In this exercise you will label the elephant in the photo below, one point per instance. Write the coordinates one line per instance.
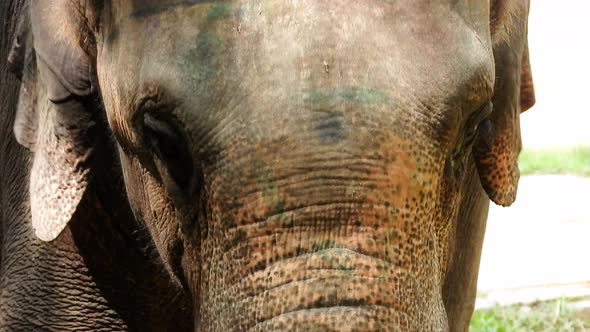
(100, 273)
(298, 165)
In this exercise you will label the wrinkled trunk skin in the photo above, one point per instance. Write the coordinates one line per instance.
(326, 249)
(319, 261)
(97, 276)
(305, 254)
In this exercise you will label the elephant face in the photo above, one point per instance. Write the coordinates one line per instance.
(299, 164)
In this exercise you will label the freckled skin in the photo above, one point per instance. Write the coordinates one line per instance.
(334, 188)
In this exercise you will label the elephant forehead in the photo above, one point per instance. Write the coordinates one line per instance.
(265, 62)
(139, 8)
(200, 49)
(413, 27)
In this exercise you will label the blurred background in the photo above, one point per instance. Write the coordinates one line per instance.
(535, 267)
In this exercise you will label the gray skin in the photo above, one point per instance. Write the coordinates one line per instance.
(299, 165)
(99, 274)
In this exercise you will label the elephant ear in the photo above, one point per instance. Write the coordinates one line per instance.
(55, 115)
(21, 61)
(21, 45)
(498, 141)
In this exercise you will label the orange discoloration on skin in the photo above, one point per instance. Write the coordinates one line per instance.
(499, 170)
(286, 233)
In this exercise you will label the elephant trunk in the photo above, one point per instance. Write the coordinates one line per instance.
(332, 245)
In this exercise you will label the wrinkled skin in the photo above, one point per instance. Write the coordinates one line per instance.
(95, 276)
(300, 165)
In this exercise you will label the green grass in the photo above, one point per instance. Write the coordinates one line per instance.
(575, 161)
(555, 316)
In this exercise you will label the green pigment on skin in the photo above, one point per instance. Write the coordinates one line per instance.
(271, 194)
(362, 96)
(200, 62)
(286, 221)
(356, 96)
(218, 11)
(278, 205)
(323, 245)
(335, 257)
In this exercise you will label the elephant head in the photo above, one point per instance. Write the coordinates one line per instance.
(298, 164)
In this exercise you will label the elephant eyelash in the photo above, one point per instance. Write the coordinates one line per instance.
(470, 129)
(162, 134)
(475, 120)
(153, 105)
(168, 144)
(153, 98)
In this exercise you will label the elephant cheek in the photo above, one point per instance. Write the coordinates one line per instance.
(155, 212)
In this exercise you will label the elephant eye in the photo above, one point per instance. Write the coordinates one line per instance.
(168, 144)
(474, 121)
(466, 141)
